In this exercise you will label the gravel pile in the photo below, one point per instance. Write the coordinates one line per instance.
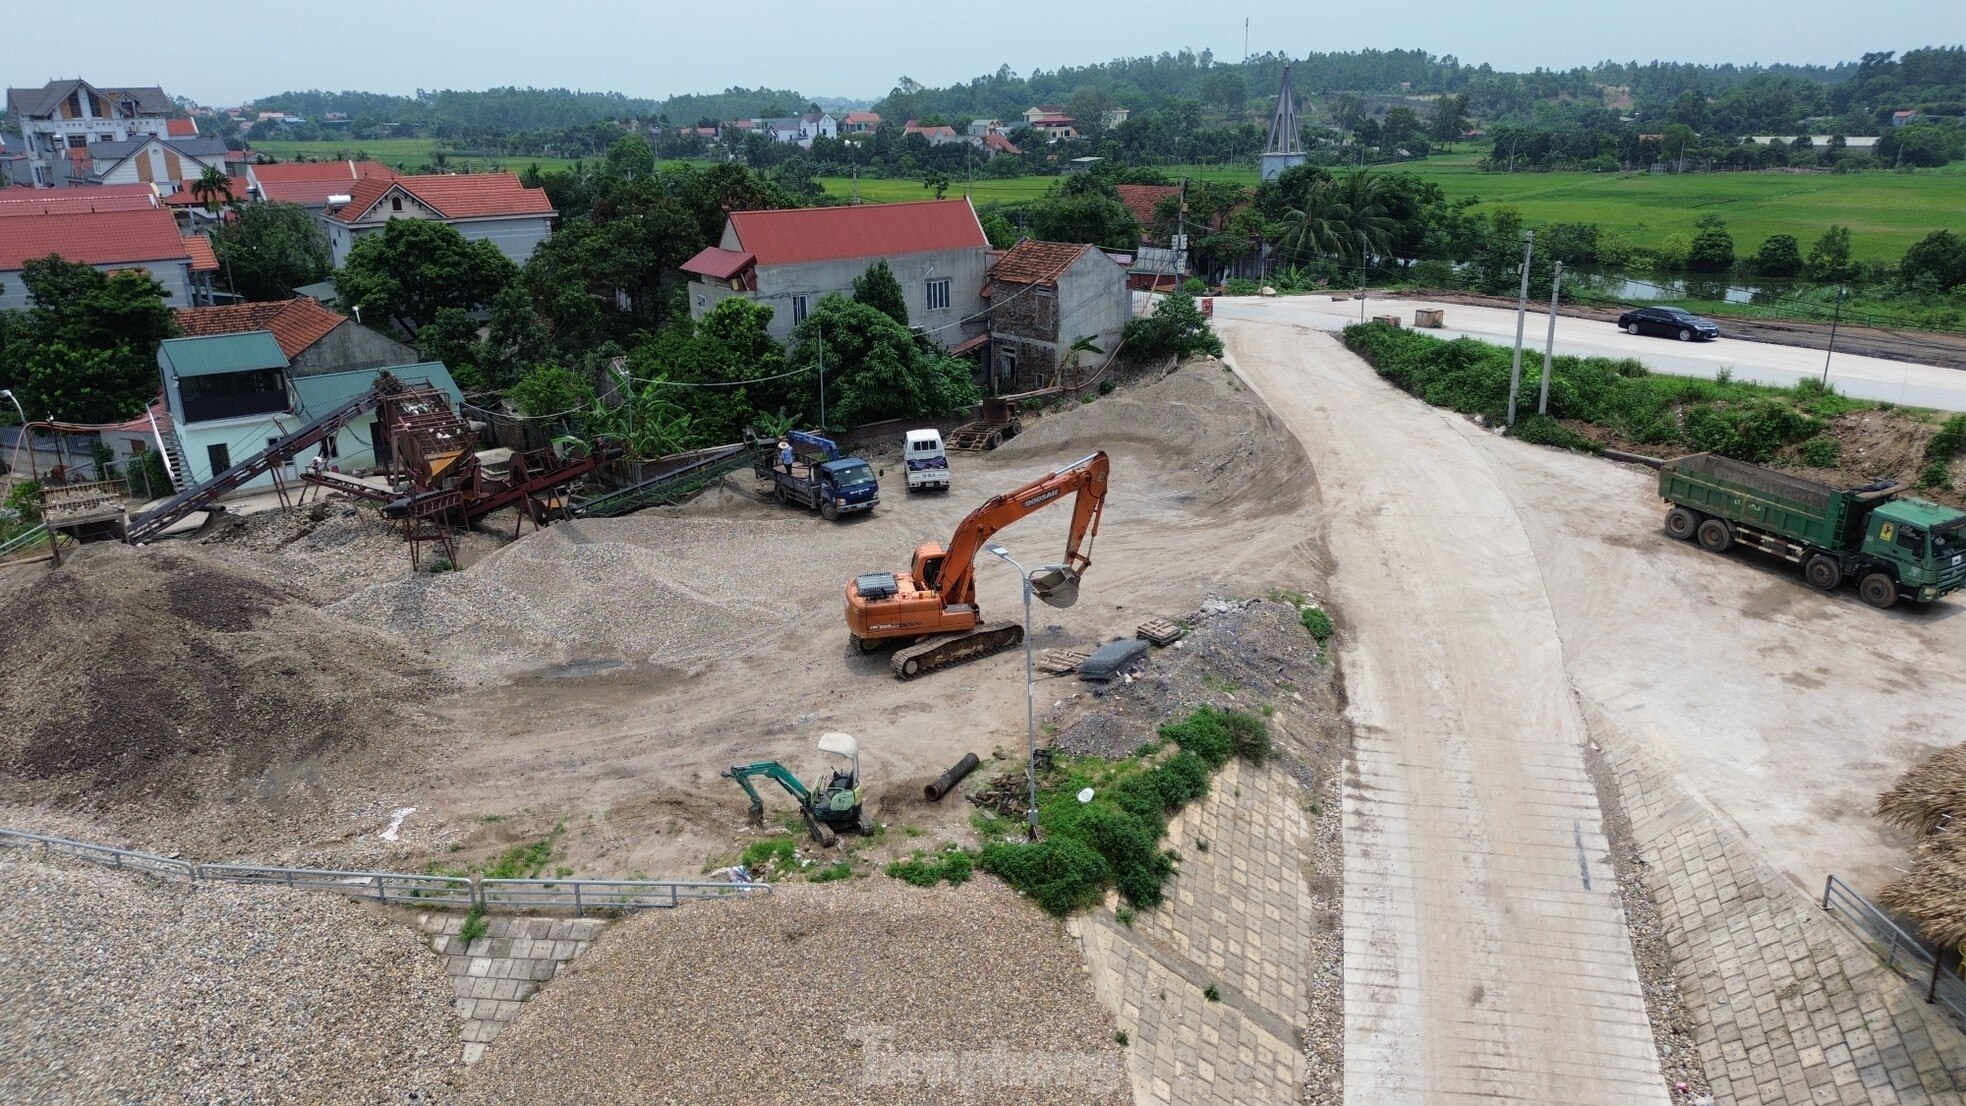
(122, 988)
(195, 703)
(869, 992)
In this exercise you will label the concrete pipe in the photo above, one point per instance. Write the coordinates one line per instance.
(947, 781)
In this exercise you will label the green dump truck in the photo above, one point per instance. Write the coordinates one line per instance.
(1894, 547)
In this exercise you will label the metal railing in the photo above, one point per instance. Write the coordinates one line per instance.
(404, 888)
(1902, 953)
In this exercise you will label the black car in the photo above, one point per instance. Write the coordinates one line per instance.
(1668, 322)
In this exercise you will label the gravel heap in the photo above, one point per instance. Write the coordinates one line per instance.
(195, 702)
(835, 993)
(124, 988)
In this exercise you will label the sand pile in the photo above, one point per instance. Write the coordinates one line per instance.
(158, 687)
(867, 992)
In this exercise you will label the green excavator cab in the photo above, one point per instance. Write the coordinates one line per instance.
(834, 802)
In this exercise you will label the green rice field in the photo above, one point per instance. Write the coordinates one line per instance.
(399, 153)
(1885, 211)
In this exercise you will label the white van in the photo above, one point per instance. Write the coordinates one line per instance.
(928, 465)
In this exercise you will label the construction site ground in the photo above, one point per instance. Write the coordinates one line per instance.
(571, 697)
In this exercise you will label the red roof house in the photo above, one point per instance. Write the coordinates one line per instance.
(111, 241)
(315, 339)
(788, 260)
(492, 207)
(310, 183)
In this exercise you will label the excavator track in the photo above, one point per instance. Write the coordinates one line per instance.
(944, 650)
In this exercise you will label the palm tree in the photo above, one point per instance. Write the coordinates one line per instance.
(1313, 231)
(212, 188)
(1359, 209)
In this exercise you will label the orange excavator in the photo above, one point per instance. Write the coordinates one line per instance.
(934, 605)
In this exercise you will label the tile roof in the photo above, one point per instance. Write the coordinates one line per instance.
(718, 264)
(863, 117)
(312, 182)
(1033, 262)
(928, 132)
(203, 260)
(180, 128)
(453, 196)
(1141, 199)
(866, 230)
(93, 238)
(296, 324)
(44, 100)
(996, 141)
(70, 201)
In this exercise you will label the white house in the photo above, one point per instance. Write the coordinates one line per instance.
(158, 160)
(492, 207)
(62, 119)
(817, 124)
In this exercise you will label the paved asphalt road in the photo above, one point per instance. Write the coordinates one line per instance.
(1864, 377)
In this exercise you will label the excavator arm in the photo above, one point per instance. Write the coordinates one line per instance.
(1086, 479)
(770, 769)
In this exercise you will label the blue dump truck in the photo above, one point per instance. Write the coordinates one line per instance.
(817, 476)
(1893, 546)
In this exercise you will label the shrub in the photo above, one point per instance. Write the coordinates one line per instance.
(1131, 849)
(1820, 452)
(1214, 736)
(953, 865)
(1176, 327)
(1317, 623)
(1195, 286)
(1935, 474)
(475, 926)
(1060, 874)
(1544, 430)
(838, 871)
(25, 499)
(1237, 286)
(773, 850)
(1436, 274)
(1947, 443)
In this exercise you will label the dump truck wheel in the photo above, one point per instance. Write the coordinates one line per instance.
(1822, 572)
(1680, 523)
(1715, 536)
(1879, 590)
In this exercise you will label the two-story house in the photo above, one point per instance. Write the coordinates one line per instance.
(62, 119)
(311, 183)
(1044, 298)
(230, 396)
(491, 207)
(315, 339)
(817, 124)
(789, 259)
(860, 122)
(146, 238)
(156, 159)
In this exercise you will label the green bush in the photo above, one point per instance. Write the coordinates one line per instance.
(772, 850)
(1821, 452)
(475, 926)
(1131, 848)
(1214, 736)
(1237, 286)
(25, 499)
(1544, 430)
(1195, 286)
(1949, 441)
(952, 865)
(1935, 474)
(1176, 327)
(1317, 623)
(841, 870)
(1060, 874)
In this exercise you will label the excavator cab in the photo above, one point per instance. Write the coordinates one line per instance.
(836, 794)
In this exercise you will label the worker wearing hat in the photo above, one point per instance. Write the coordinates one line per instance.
(785, 455)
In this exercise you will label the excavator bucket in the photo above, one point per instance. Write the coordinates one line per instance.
(1056, 585)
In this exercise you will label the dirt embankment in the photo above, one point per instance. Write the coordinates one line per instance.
(194, 701)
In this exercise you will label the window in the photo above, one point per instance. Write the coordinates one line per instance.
(799, 309)
(219, 456)
(1006, 364)
(395, 203)
(1911, 540)
(938, 295)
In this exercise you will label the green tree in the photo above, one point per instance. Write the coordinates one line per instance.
(878, 289)
(213, 188)
(452, 338)
(1450, 119)
(875, 369)
(267, 250)
(631, 158)
(87, 349)
(1085, 210)
(1829, 259)
(1780, 255)
(1712, 250)
(1939, 258)
(413, 268)
(1175, 328)
(552, 392)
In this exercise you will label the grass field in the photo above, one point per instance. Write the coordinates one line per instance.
(1885, 212)
(400, 153)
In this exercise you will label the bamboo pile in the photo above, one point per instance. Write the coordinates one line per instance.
(1928, 796)
(1929, 801)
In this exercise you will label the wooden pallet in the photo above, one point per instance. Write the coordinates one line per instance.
(1059, 662)
(1159, 631)
(976, 437)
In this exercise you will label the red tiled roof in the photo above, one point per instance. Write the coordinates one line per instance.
(453, 196)
(185, 197)
(92, 238)
(1141, 199)
(203, 260)
(718, 264)
(141, 424)
(180, 128)
(1033, 262)
(862, 117)
(71, 201)
(995, 141)
(296, 324)
(312, 182)
(928, 132)
(867, 230)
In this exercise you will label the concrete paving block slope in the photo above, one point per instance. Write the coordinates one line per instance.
(1486, 953)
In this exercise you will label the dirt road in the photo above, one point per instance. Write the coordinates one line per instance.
(1865, 377)
(1485, 946)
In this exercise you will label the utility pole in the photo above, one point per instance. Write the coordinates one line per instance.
(1521, 317)
(820, 336)
(1834, 320)
(1361, 276)
(1549, 347)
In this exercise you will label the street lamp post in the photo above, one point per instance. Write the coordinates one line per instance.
(1030, 700)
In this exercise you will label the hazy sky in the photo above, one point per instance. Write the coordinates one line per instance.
(223, 54)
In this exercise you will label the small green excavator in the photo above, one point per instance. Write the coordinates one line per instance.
(832, 803)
